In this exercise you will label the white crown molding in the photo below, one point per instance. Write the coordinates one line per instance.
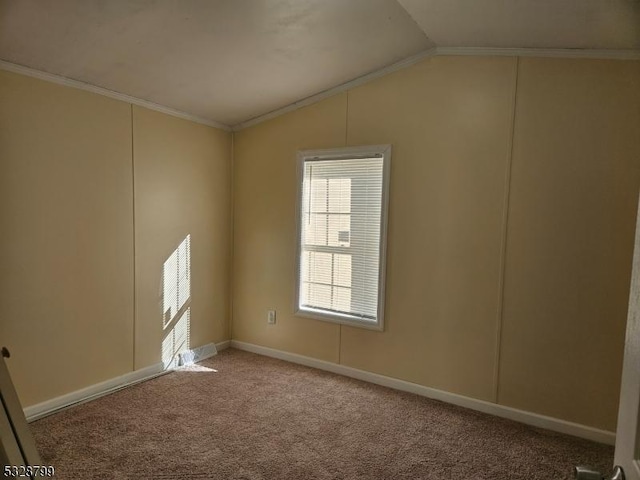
(407, 62)
(68, 82)
(443, 51)
(528, 418)
(540, 52)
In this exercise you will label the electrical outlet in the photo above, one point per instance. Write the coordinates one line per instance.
(271, 317)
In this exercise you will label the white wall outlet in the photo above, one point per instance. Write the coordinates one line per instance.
(271, 317)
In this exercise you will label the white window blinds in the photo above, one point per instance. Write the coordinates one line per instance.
(341, 236)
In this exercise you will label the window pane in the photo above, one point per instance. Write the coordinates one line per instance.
(315, 230)
(339, 230)
(319, 295)
(318, 200)
(320, 267)
(304, 266)
(341, 299)
(342, 270)
(340, 234)
(340, 195)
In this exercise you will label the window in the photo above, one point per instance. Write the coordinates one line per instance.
(342, 207)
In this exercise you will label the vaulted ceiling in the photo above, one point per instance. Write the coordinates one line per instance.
(229, 61)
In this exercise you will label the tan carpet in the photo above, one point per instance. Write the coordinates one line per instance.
(260, 418)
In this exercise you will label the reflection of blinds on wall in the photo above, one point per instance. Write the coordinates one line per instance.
(176, 281)
(176, 296)
(176, 339)
(340, 220)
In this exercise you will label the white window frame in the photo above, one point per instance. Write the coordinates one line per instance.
(383, 151)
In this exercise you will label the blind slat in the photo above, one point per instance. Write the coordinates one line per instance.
(340, 223)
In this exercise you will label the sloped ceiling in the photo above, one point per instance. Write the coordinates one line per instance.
(587, 24)
(233, 60)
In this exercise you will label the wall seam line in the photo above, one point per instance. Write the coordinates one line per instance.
(505, 230)
(346, 121)
(346, 143)
(232, 221)
(133, 195)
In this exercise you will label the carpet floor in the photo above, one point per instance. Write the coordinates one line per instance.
(245, 416)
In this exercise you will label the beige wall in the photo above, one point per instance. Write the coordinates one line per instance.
(67, 215)
(182, 187)
(513, 190)
(574, 194)
(264, 228)
(572, 181)
(449, 121)
(66, 196)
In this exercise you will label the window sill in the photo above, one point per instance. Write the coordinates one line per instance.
(341, 319)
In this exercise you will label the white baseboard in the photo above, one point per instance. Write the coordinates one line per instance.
(529, 418)
(92, 392)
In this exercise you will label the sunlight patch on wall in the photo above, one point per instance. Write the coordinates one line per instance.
(176, 340)
(176, 300)
(176, 281)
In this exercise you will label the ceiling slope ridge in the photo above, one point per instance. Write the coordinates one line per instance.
(630, 54)
(69, 82)
(404, 63)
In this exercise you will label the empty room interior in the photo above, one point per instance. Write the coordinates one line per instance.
(332, 239)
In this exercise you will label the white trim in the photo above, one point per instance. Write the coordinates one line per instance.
(92, 392)
(347, 153)
(407, 62)
(630, 54)
(68, 82)
(101, 389)
(529, 418)
(540, 52)
(442, 51)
